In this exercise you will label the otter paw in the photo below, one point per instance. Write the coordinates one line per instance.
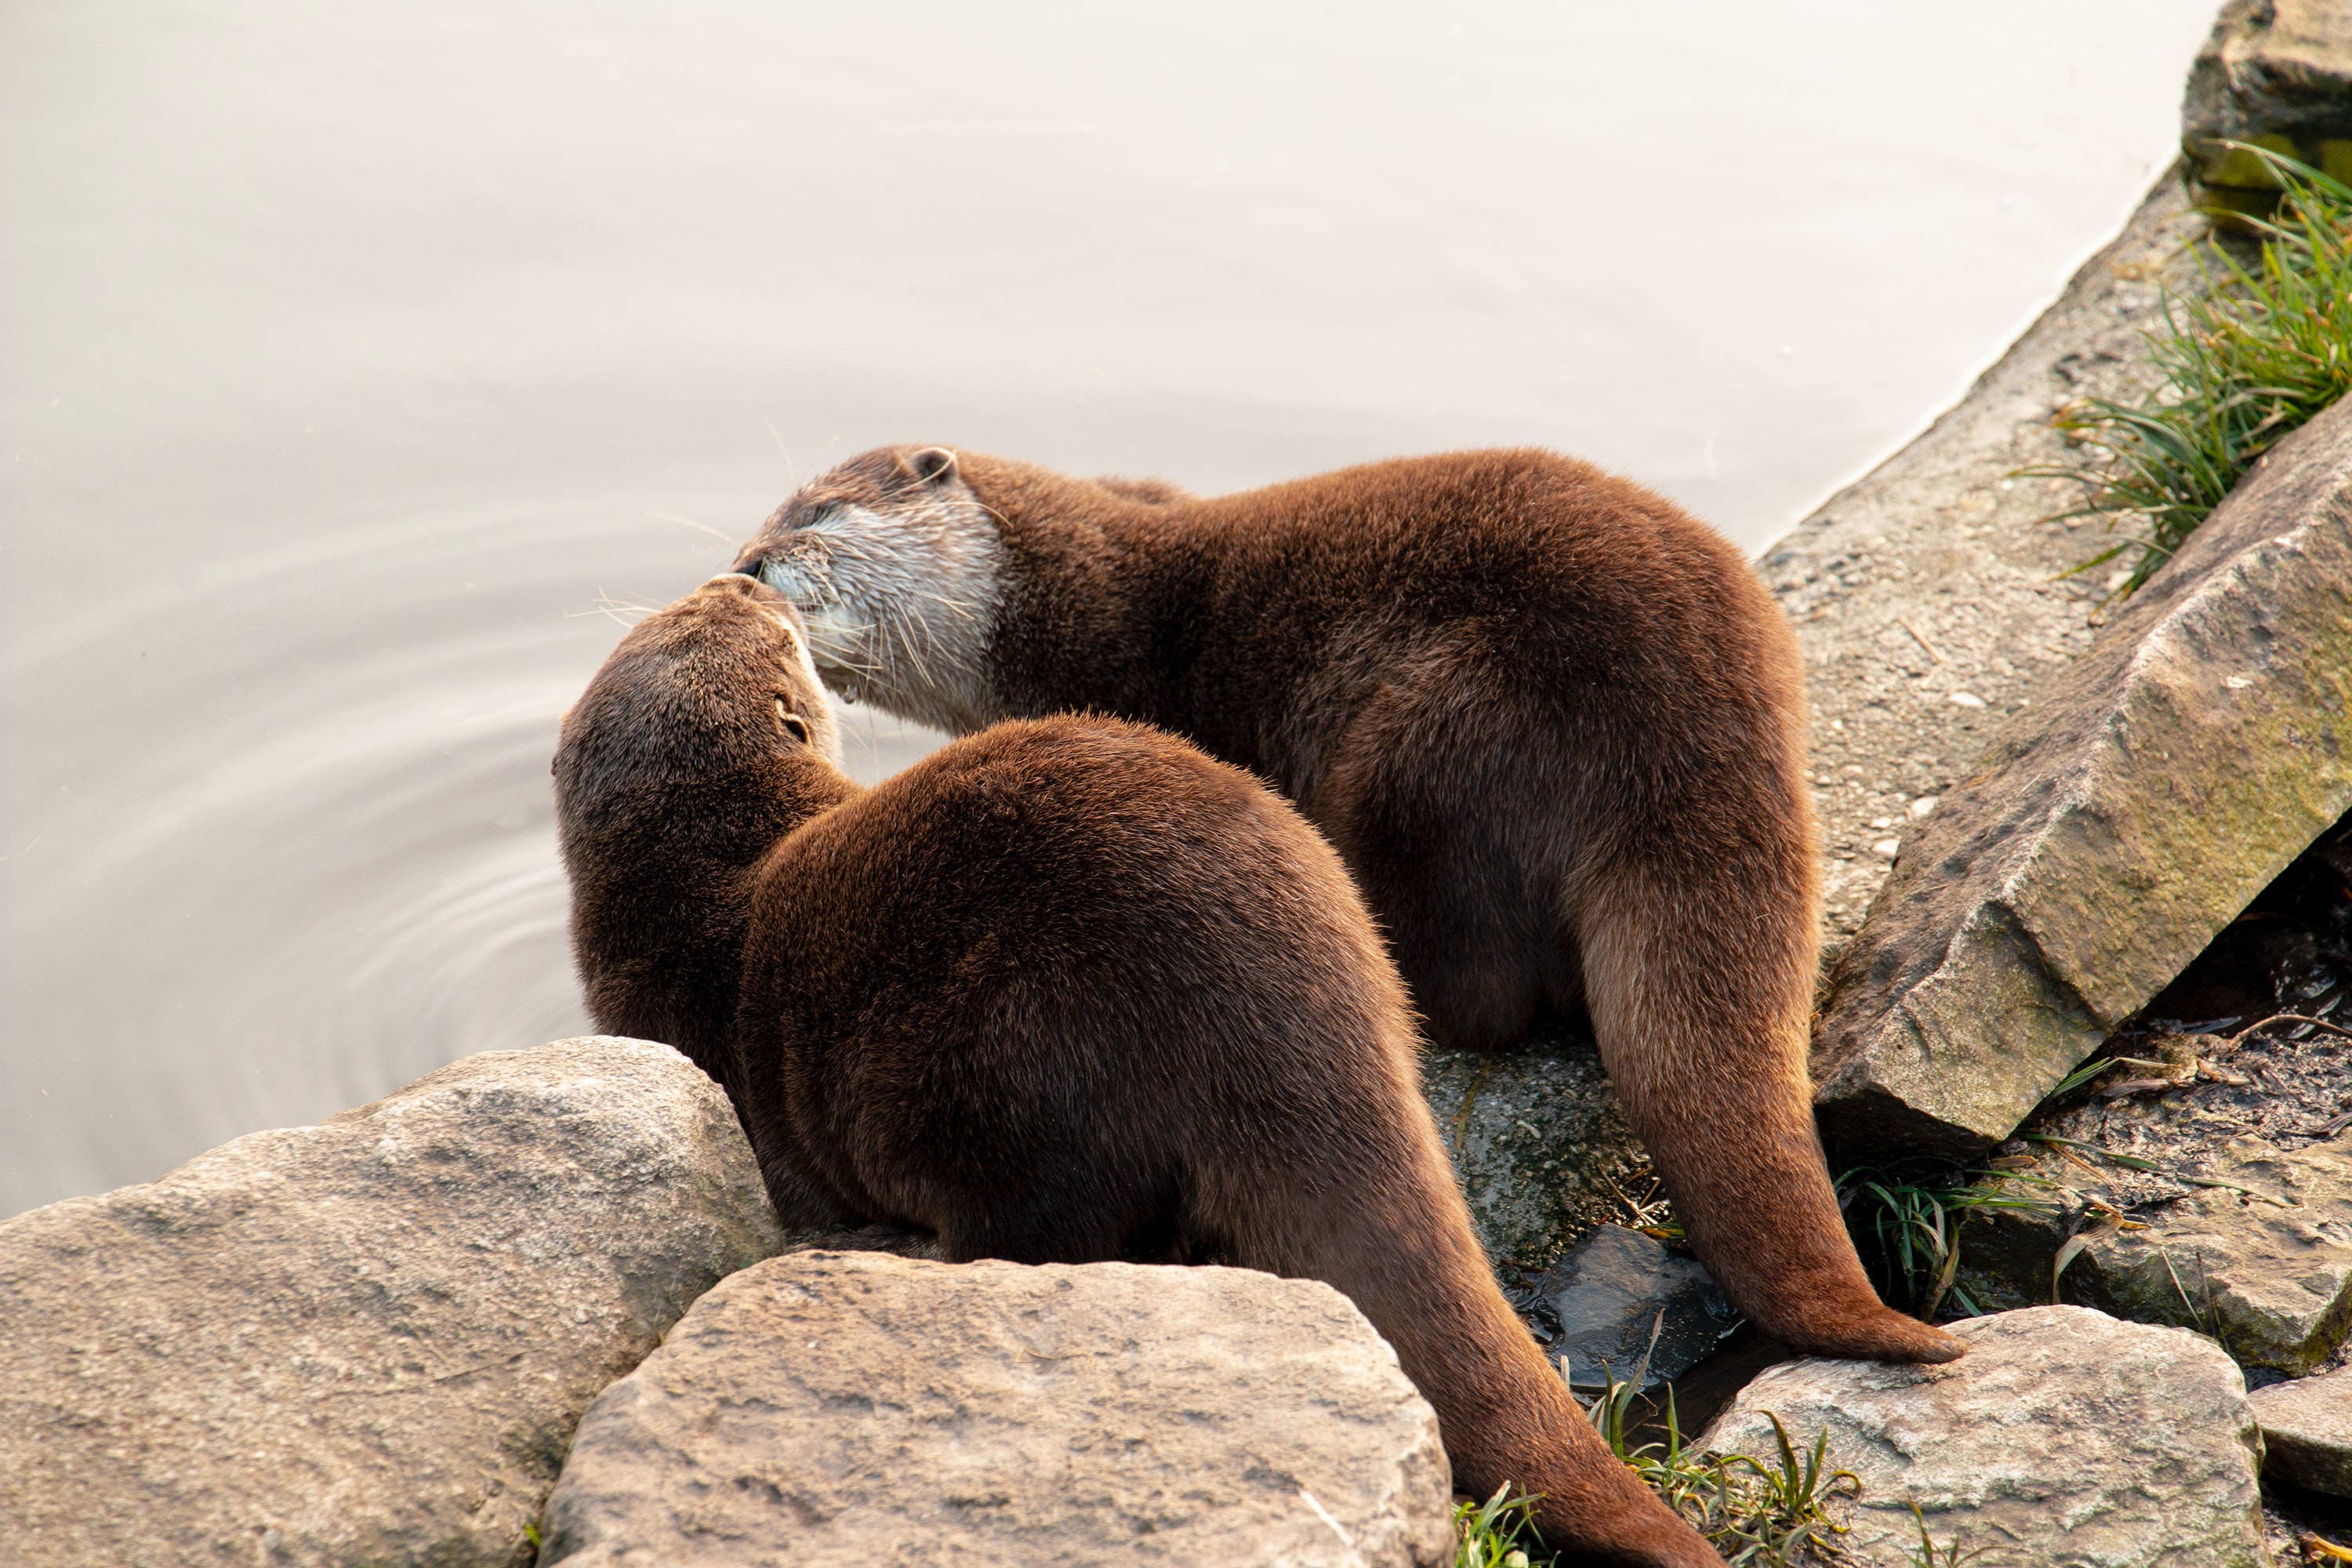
(1883, 1335)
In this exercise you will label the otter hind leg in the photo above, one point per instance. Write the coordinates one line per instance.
(1700, 1006)
(1453, 893)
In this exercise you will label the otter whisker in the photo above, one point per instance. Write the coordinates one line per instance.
(725, 539)
(791, 470)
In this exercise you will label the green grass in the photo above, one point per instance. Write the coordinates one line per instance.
(1756, 1515)
(1927, 1554)
(1496, 1533)
(1905, 1223)
(2260, 353)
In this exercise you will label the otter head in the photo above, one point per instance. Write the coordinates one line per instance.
(720, 680)
(893, 562)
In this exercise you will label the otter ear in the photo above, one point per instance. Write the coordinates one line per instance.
(931, 465)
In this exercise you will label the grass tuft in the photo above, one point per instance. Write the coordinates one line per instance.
(1756, 1515)
(2261, 352)
(1927, 1554)
(1905, 1223)
(1495, 1533)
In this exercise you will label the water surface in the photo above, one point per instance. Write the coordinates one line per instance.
(363, 364)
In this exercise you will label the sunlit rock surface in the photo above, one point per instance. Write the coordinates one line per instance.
(2257, 1252)
(2063, 1437)
(2113, 828)
(833, 1408)
(367, 1341)
(1930, 596)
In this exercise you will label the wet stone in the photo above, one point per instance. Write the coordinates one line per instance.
(1619, 1303)
(1542, 1150)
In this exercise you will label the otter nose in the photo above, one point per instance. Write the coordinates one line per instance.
(749, 562)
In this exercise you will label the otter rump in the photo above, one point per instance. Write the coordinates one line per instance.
(1067, 991)
(1554, 727)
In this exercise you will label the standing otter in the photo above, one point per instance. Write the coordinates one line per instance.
(1554, 726)
(1064, 991)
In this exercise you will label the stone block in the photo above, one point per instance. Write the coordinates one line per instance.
(2145, 795)
(2063, 1437)
(365, 1341)
(828, 1408)
(2273, 73)
(2258, 1254)
(2308, 1431)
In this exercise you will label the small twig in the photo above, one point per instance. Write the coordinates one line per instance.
(2234, 1188)
(2291, 1018)
(1944, 1278)
(1921, 638)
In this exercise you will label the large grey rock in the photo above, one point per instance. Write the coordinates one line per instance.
(2308, 1431)
(2063, 1437)
(365, 1341)
(2276, 73)
(2256, 1251)
(1624, 1307)
(1538, 1142)
(842, 1408)
(1928, 596)
(2112, 827)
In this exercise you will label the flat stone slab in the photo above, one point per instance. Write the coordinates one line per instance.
(2256, 1250)
(2113, 828)
(1622, 1305)
(2063, 1437)
(828, 1408)
(366, 1341)
(1538, 1142)
(2308, 1431)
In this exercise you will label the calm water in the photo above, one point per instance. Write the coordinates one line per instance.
(361, 365)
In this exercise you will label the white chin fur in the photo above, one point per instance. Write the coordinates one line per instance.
(901, 606)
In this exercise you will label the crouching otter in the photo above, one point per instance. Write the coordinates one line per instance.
(1554, 726)
(1066, 991)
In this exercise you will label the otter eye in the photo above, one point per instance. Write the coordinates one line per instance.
(794, 725)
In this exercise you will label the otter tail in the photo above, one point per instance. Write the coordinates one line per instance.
(1699, 1001)
(1399, 1244)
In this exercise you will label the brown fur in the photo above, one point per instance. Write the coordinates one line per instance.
(1066, 991)
(1554, 726)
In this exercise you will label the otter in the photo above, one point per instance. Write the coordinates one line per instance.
(1554, 726)
(1067, 991)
